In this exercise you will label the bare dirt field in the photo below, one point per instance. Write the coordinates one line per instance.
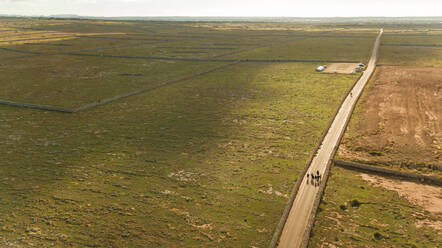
(345, 68)
(426, 196)
(399, 118)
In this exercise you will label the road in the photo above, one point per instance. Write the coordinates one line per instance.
(296, 224)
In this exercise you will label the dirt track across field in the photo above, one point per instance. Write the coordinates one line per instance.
(401, 117)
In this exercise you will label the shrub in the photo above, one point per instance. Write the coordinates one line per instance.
(376, 153)
(355, 203)
(377, 235)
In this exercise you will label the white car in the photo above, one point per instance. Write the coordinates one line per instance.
(321, 68)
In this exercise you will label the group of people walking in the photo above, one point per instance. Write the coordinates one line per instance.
(314, 179)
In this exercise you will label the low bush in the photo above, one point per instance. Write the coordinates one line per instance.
(355, 203)
(377, 235)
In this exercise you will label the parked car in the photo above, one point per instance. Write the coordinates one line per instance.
(321, 68)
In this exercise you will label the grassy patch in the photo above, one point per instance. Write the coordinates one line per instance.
(320, 48)
(72, 81)
(206, 162)
(383, 219)
(416, 56)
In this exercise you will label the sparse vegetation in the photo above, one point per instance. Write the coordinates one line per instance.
(415, 49)
(387, 215)
(377, 235)
(207, 162)
(210, 160)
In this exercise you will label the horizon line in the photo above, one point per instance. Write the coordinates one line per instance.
(220, 16)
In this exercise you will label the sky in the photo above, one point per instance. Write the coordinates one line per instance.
(274, 8)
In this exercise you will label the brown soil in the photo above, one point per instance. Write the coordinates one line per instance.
(426, 196)
(400, 118)
(345, 68)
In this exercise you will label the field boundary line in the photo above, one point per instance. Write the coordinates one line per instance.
(214, 59)
(196, 48)
(36, 106)
(397, 65)
(20, 57)
(412, 45)
(409, 165)
(33, 54)
(165, 83)
(387, 172)
(240, 51)
(105, 48)
(112, 99)
(19, 51)
(121, 38)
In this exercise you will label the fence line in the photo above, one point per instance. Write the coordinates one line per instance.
(35, 106)
(215, 59)
(412, 45)
(387, 172)
(115, 98)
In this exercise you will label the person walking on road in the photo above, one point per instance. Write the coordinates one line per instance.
(318, 176)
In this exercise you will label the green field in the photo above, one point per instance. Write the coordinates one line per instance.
(7, 54)
(411, 56)
(81, 43)
(317, 48)
(204, 162)
(208, 161)
(411, 49)
(72, 81)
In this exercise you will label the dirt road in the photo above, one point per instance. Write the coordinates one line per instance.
(295, 226)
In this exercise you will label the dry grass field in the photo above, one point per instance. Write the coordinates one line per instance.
(399, 119)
